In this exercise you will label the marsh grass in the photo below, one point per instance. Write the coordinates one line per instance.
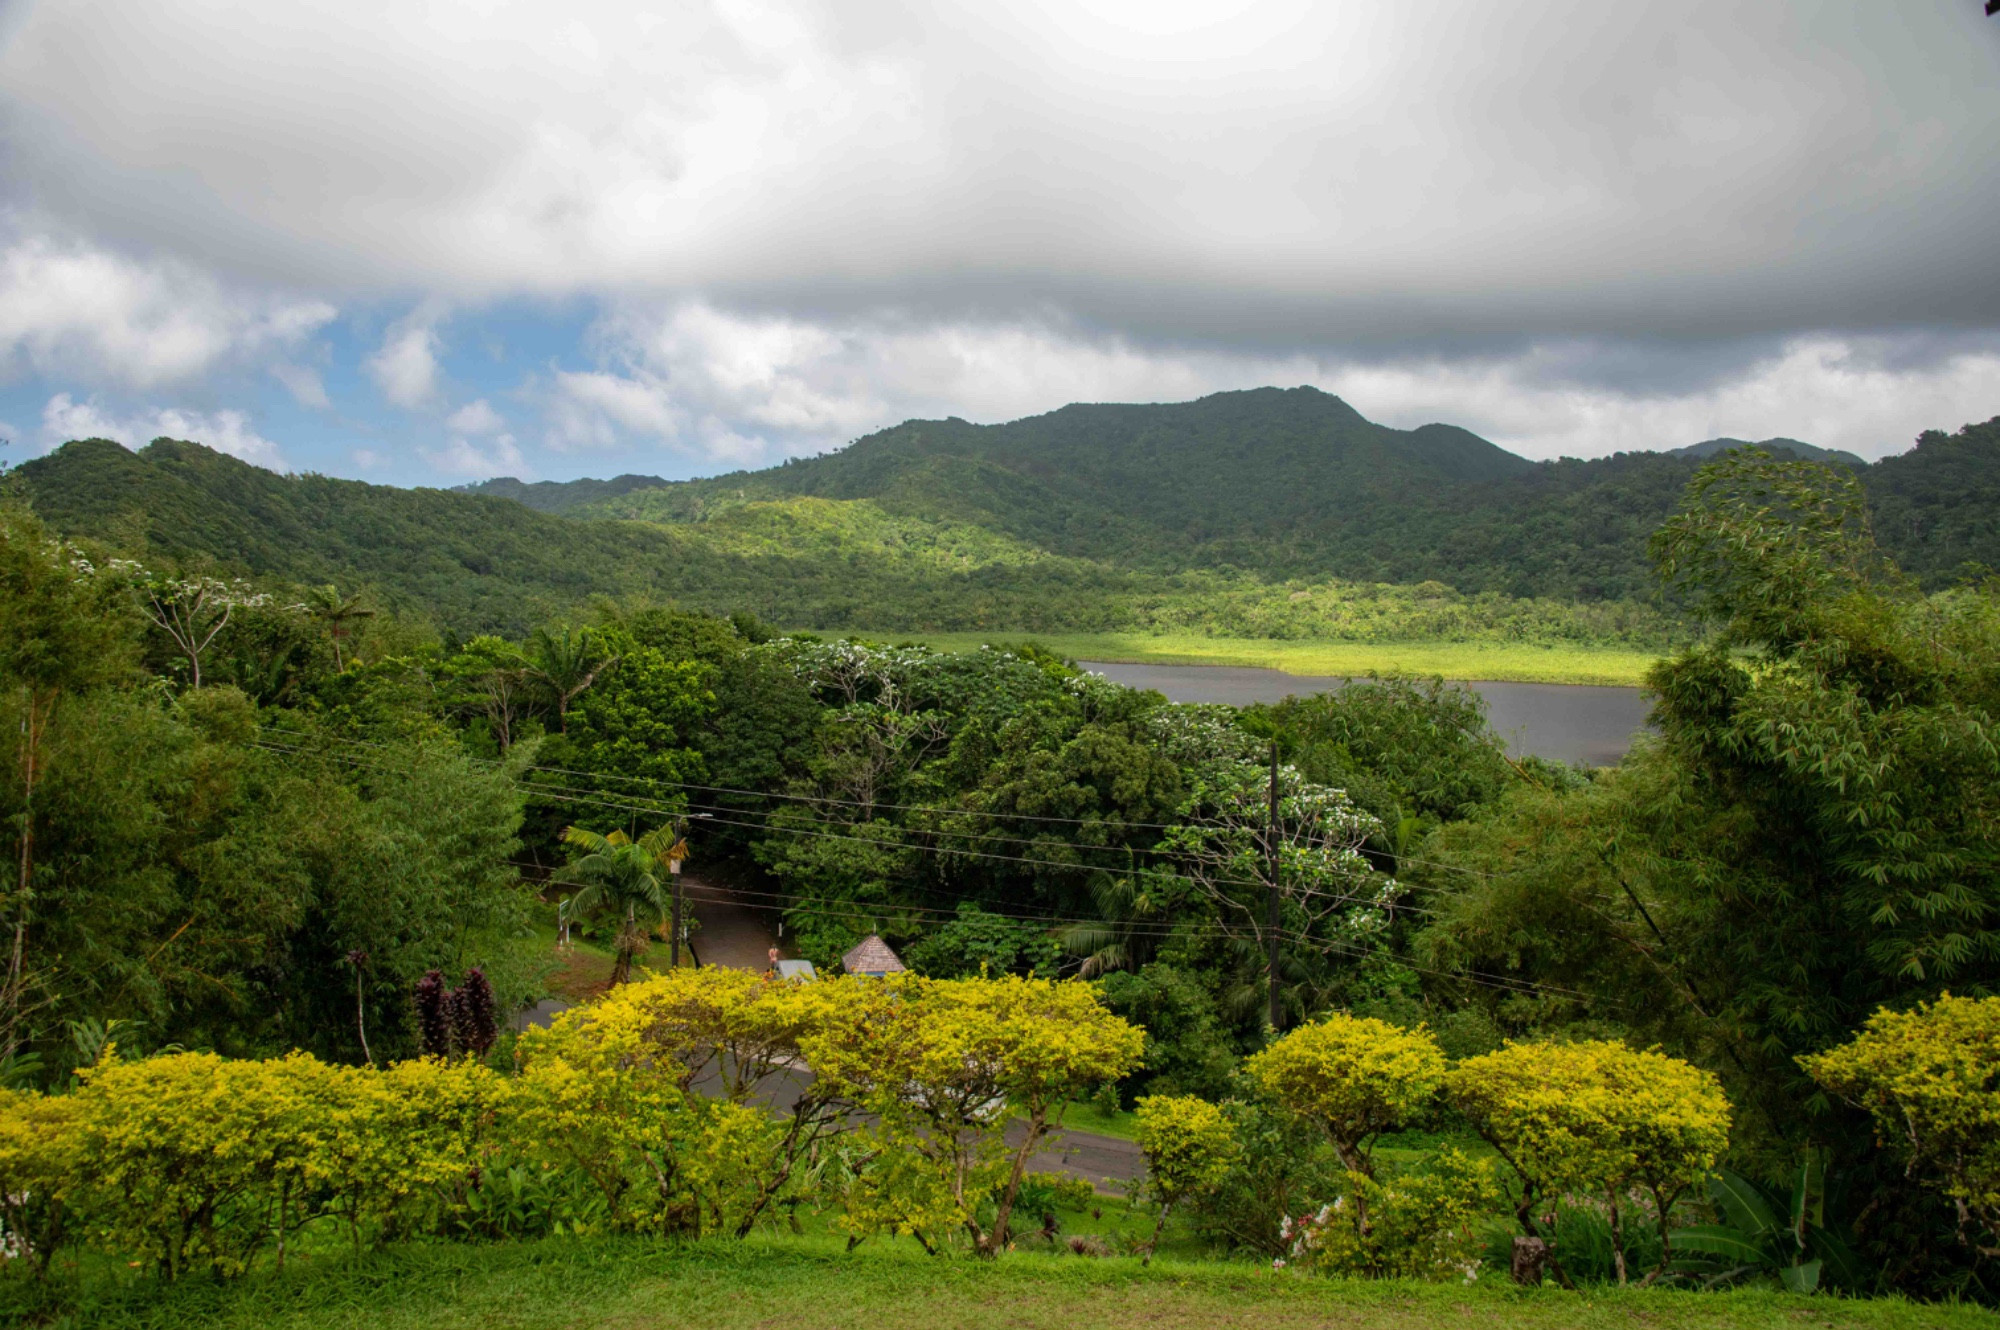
(1519, 662)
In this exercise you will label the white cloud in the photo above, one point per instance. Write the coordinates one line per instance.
(1261, 171)
(405, 367)
(65, 418)
(305, 385)
(476, 418)
(463, 458)
(741, 389)
(88, 313)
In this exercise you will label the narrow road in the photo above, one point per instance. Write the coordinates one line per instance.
(738, 934)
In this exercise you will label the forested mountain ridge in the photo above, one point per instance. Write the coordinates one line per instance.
(934, 526)
(1297, 484)
(1708, 448)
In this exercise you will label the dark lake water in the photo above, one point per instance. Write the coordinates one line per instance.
(1572, 722)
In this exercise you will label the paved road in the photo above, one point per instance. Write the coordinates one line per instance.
(738, 933)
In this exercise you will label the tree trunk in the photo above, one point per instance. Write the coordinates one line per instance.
(1530, 1256)
(36, 710)
(1617, 1239)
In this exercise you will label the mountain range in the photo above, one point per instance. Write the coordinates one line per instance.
(1089, 518)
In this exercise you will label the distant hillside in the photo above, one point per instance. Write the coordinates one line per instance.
(1283, 483)
(549, 496)
(1266, 513)
(1776, 447)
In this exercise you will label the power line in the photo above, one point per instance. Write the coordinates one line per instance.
(1490, 981)
(1119, 824)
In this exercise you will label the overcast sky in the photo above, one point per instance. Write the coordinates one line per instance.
(429, 242)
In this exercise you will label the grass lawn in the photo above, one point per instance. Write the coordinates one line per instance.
(1123, 1124)
(634, 1284)
(1518, 662)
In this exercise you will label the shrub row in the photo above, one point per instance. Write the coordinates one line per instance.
(650, 1111)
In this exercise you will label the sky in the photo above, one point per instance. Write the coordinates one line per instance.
(425, 243)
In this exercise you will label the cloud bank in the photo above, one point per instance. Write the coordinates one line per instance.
(1572, 225)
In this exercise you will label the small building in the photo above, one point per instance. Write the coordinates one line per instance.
(800, 970)
(871, 956)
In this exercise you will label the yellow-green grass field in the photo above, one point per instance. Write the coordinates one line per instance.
(1520, 662)
(810, 1283)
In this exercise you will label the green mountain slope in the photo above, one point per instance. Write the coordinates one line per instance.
(1295, 484)
(1259, 514)
(1776, 447)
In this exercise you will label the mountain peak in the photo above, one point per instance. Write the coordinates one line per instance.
(1777, 446)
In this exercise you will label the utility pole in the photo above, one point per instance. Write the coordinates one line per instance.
(1271, 914)
(674, 867)
(674, 856)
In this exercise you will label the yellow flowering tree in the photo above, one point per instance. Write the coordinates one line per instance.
(1189, 1145)
(735, 1036)
(1353, 1076)
(39, 1169)
(1596, 1118)
(591, 1093)
(942, 1062)
(1928, 1076)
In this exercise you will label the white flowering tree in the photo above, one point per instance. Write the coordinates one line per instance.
(191, 611)
(1330, 897)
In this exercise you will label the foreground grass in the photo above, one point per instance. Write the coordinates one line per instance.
(1500, 661)
(632, 1284)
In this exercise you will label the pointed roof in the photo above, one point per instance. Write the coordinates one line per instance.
(872, 956)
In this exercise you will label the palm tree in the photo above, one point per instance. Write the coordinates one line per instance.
(624, 875)
(566, 665)
(327, 605)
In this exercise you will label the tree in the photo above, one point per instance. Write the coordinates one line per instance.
(1331, 898)
(1354, 1077)
(566, 663)
(191, 611)
(622, 875)
(1189, 1145)
(943, 1065)
(335, 612)
(490, 678)
(1927, 1078)
(1595, 1118)
(61, 632)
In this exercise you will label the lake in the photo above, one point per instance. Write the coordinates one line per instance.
(1572, 722)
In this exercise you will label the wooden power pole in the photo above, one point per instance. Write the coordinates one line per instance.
(1271, 912)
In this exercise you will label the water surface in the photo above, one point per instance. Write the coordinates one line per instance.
(1573, 722)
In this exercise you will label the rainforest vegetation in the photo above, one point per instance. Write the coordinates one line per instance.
(1265, 515)
(1720, 1014)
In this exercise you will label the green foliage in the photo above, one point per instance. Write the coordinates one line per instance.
(976, 943)
(1927, 1077)
(1401, 747)
(1354, 1077)
(1782, 1235)
(1421, 1223)
(1596, 1119)
(1188, 1049)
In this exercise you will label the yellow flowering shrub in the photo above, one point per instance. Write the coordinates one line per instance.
(197, 1159)
(1929, 1078)
(39, 1169)
(608, 1088)
(1189, 1145)
(395, 1146)
(1425, 1223)
(1355, 1077)
(1596, 1118)
(941, 1062)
